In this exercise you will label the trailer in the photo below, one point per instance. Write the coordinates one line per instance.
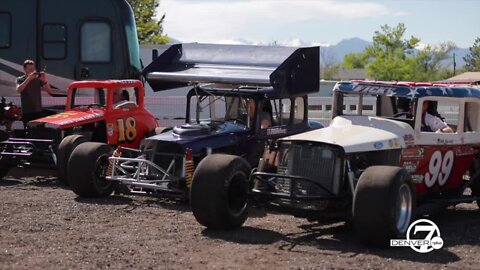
(69, 40)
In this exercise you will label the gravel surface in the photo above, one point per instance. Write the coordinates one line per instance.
(45, 225)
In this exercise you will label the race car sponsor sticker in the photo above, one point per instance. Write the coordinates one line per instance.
(378, 145)
(373, 89)
(408, 139)
(276, 131)
(417, 179)
(394, 143)
(413, 153)
(110, 130)
(79, 119)
(411, 166)
(464, 151)
(444, 141)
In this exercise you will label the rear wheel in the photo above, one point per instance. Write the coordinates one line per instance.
(65, 149)
(219, 192)
(4, 168)
(87, 168)
(383, 204)
(475, 178)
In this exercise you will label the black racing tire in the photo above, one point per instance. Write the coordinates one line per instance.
(383, 204)
(87, 167)
(3, 135)
(65, 149)
(4, 168)
(475, 178)
(219, 192)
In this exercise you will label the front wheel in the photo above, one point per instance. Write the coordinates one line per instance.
(383, 204)
(65, 149)
(87, 168)
(219, 192)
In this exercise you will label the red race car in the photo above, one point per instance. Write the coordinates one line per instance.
(110, 112)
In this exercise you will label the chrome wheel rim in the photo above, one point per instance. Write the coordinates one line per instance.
(404, 208)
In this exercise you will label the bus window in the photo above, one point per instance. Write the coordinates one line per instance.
(54, 41)
(132, 42)
(95, 38)
(5, 30)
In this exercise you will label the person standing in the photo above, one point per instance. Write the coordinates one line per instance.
(30, 86)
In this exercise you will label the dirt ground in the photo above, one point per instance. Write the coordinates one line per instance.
(45, 225)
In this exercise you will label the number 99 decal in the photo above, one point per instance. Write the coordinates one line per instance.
(126, 129)
(439, 168)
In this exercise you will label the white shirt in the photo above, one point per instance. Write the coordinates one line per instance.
(435, 123)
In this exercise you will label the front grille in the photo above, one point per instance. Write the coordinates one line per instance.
(163, 153)
(41, 132)
(320, 163)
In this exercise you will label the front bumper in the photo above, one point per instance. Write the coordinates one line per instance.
(141, 175)
(28, 153)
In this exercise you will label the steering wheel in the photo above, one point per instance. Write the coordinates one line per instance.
(96, 105)
(406, 114)
(237, 120)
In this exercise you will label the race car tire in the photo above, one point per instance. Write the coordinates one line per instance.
(3, 135)
(219, 192)
(383, 204)
(65, 149)
(475, 178)
(87, 167)
(4, 168)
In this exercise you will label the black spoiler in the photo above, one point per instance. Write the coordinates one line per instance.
(281, 71)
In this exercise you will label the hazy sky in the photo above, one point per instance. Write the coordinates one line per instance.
(314, 22)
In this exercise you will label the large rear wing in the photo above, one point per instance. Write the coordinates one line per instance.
(280, 71)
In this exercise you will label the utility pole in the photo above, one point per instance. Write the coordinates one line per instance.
(454, 64)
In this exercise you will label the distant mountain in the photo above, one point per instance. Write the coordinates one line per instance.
(346, 46)
(357, 45)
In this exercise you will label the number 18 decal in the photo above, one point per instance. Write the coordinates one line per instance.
(439, 168)
(126, 129)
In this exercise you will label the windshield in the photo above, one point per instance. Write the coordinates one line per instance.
(218, 109)
(369, 105)
(83, 97)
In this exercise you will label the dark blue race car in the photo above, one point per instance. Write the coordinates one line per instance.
(240, 98)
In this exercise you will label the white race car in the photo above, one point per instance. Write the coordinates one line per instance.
(382, 162)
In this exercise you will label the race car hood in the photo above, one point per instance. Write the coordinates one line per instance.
(360, 134)
(70, 118)
(198, 136)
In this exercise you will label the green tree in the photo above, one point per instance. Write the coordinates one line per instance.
(428, 62)
(391, 55)
(472, 60)
(149, 28)
(355, 60)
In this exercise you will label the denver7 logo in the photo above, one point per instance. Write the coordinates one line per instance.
(429, 243)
